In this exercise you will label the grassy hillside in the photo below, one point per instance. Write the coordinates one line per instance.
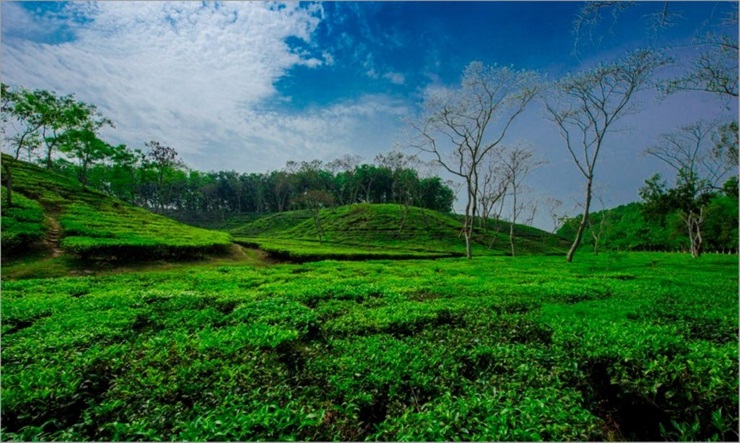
(23, 225)
(90, 224)
(625, 228)
(637, 346)
(365, 230)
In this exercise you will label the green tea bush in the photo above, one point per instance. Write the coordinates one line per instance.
(22, 224)
(104, 232)
(493, 413)
(493, 349)
(380, 231)
(96, 226)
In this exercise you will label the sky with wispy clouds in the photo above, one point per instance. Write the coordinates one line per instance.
(247, 86)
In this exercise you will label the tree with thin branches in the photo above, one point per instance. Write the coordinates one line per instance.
(459, 127)
(517, 163)
(586, 106)
(701, 160)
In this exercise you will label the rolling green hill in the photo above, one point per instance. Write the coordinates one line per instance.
(54, 212)
(381, 231)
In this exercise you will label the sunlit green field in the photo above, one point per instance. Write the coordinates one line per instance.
(610, 347)
(385, 231)
(93, 225)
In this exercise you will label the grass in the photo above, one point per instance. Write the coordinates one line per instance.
(95, 226)
(365, 231)
(617, 346)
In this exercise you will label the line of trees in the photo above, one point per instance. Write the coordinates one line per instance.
(61, 134)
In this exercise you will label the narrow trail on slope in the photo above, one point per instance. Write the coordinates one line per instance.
(53, 237)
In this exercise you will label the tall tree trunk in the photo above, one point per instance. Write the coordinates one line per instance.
(511, 239)
(511, 226)
(468, 252)
(696, 242)
(584, 222)
(467, 225)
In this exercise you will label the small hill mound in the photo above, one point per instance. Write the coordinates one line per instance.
(91, 224)
(384, 231)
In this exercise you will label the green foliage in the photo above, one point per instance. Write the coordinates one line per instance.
(639, 346)
(689, 201)
(367, 231)
(95, 226)
(633, 227)
(22, 225)
(121, 231)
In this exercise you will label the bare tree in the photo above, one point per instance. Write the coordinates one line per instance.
(597, 230)
(314, 200)
(589, 18)
(347, 166)
(553, 206)
(715, 68)
(691, 148)
(532, 207)
(586, 106)
(517, 163)
(493, 188)
(497, 213)
(459, 127)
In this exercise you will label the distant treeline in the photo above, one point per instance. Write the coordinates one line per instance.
(640, 227)
(174, 187)
(63, 134)
(160, 181)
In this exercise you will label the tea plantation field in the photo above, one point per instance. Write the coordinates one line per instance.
(385, 231)
(611, 347)
(92, 225)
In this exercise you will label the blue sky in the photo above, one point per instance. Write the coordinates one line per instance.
(249, 85)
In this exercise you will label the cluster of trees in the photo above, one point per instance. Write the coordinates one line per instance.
(703, 156)
(62, 134)
(41, 121)
(640, 227)
(698, 213)
(168, 185)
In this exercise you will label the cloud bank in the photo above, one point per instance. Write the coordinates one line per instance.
(198, 77)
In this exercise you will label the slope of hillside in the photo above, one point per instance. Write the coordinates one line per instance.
(379, 231)
(22, 224)
(92, 224)
(625, 228)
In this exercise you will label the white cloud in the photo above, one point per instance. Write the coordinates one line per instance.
(395, 77)
(197, 77)
(19, 22)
